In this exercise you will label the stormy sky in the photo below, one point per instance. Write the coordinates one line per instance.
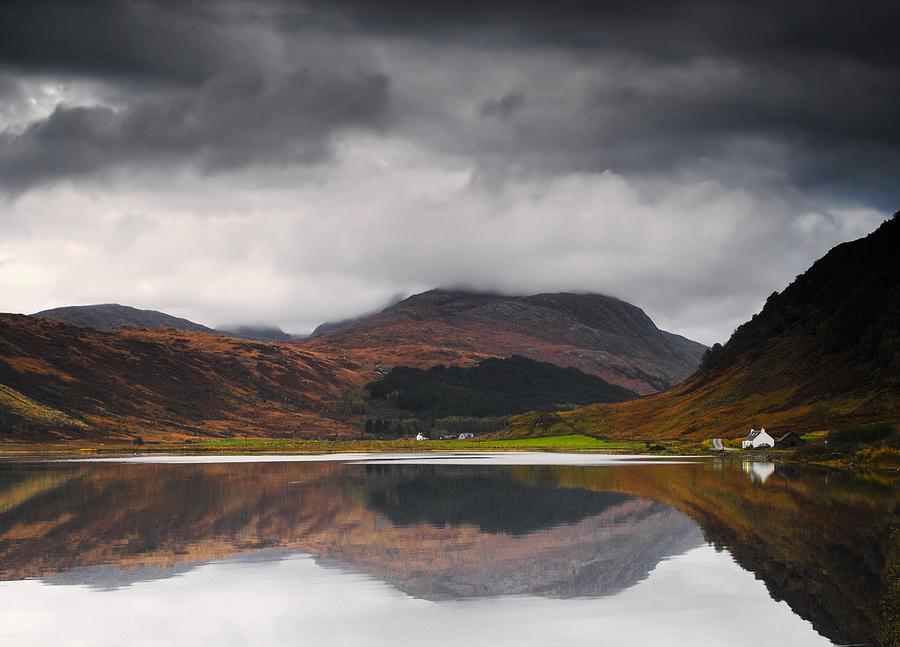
(293, 162)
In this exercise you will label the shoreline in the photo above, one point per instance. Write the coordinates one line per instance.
(62, 450)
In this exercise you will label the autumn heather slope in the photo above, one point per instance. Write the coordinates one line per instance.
(597, 334)
(118, 372)
(823, 354)
(62, 381)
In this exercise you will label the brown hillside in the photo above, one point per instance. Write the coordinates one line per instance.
(599, 335)
(62, 381)
(59, 380)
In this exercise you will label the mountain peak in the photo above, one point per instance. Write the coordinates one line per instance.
(598, 334)
(106, 316)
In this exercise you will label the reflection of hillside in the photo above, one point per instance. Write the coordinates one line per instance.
(566, 542)
(432, 533)
(600, 555)
(486, 498)
(818, 540)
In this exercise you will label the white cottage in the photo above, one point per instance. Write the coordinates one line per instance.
(757, 438)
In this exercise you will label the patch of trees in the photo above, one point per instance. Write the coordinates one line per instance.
(712, 358)
(396, 427)
(495, 387)
(867, 435)
(405, 427)
(469, 425)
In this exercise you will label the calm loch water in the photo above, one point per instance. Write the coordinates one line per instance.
(430, 550)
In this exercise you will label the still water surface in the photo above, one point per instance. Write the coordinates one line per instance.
(515, 549)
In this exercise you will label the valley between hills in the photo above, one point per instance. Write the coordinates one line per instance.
(821, 356)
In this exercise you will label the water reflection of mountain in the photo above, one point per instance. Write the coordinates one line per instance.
(437, 533)
(600, 555)
(823, 541)
(535, 538)
(486, 497)
(819, 540)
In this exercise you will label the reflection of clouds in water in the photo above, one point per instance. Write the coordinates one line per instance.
(698, 598)
(109, 577)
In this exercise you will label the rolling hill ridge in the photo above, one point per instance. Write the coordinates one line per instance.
(597, 334)
(109, 316)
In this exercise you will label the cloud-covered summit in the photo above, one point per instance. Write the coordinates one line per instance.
(689, 156)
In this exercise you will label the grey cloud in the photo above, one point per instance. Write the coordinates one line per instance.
(816, 85)
(183, 42)
(11, 98)
(699, 258)
(807, 91)
(503, 107)
(732, 121)
(659, 29)
(9, 88)
(228, 122)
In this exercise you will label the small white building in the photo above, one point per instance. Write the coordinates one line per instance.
(757, 438)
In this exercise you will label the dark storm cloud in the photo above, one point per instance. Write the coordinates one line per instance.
(810, 87)
(806, 89)
(190, 83)
(656, 28)
(831, 130)
(229, 122)
(131, 40)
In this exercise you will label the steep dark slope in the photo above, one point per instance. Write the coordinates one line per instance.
(845, 307)
(824, 353)
(597, 334)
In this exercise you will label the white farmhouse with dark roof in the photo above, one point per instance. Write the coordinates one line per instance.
(757, 438)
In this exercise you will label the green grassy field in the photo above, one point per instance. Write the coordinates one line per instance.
(570, 442)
